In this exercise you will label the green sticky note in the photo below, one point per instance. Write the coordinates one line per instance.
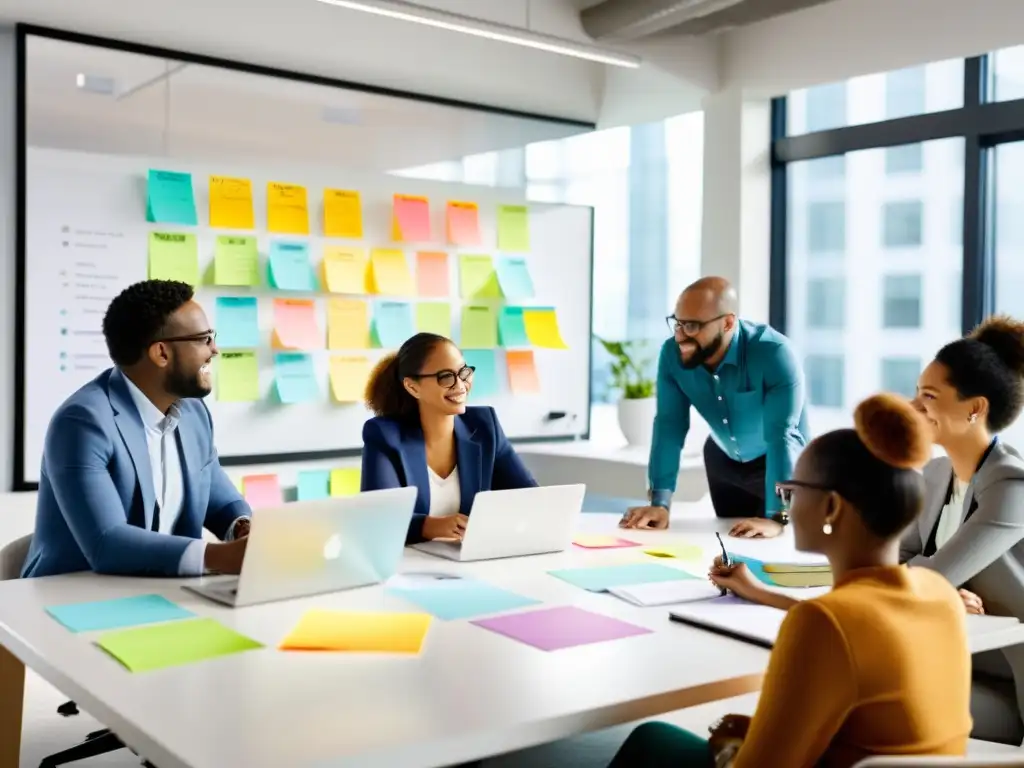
(238, 377)
(288, 267)
(169, 198)
(514, 228)
(485, 378)
(512, 327)
(173, 256)
(477, 278)
(479, 329)
(314, 484)
(170, 645)
(434, 317)
(236, 261)
(295, 377)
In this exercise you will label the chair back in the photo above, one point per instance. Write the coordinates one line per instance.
(12, 558)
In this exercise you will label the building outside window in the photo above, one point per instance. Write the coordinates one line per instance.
(903, 225)
(901, 301)
(900, 374)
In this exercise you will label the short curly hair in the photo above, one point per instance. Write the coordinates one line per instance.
(137, 315)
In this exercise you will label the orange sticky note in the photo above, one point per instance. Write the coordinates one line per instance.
(432, 274)
(348, 324)
(522, 371)
(410, 219)
(390, 272)
(287, 209)
(463, 223)
(295, 325)
(231, 203)
(346, 270)
(348, 378)
(343, 214)
(320, 630)
(262, 490)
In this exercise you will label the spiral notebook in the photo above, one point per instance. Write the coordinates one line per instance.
(733, 617)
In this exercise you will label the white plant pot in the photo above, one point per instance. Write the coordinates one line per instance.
(636, 420)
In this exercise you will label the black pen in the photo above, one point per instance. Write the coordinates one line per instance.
(725, 558)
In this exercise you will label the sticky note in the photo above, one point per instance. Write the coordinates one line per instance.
(348, 378)
(485, 377)
(236, 261)
(410, 219)
(512, 327)
(169, 645)
(120, 612)
(238, 377)
(680, 551)
(345, 481)
(392, 323)
(522, 372)
(434, 317)
(320, 630)
(288, 267)
(173, 256)
(542, 328)
(463, 223)
(513, 228)
(390, 272)
(514, 277)
(295, 324)
(551, 629)
(432, 274)
(601, 579)
(295, 378)
(313, 484)
(348, 324)
(238, 322)
(346, 270)
(343, 214)
(602, 541)
(287, 209)
(477, 278)
(170, 199)
(231, 203)
(479, 328)
(262, 490)
(454, 599)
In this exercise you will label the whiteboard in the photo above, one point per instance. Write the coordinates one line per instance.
(86, 239)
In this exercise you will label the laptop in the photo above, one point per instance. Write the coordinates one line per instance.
(313, 547)
(523, 521)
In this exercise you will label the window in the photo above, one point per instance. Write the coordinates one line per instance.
(901, 301)
(826, 227)
(827, 168)
(899, 375)
(826, 303)
(908, 158)
(903, 224)
(1008, 74)
(826, 107)
(905, 92)
(825, 379)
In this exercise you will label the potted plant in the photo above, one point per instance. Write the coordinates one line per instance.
(629, 371)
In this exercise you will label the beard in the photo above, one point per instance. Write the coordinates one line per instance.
(183, 384)
(702, 353)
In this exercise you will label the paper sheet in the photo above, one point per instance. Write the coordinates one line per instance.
(513, 228)
(410, 221)
(238, 377)
(522, 372)
(320, 630)
(262, 490)
(542, 328)
(231, 203)
(174, 256)
(514, 278)
(667, 592)
(485, 377)
(512, 327)
(295, 378)
(117, 613)
(295, 325)
(477, 278)
(238, 322)
(390, 272)
(392, 323)
(288, 267)
(348, 378)
(463, 219)
(479, 327)
(432, 279)
(780, 550)
(454, 599)
(287, 209)
(236, 261)
(603, 578)
(434, 317)
(348, 324)
(346, 270)
(734, 616)
(313, 484)
(677, 551)
(343, 214)
(602, 541)
(345, 481)
(551, 629)
(170, 199)
(170, 645)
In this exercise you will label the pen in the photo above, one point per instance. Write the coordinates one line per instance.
(725, 557)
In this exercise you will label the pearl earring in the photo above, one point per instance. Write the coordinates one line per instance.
(974, 417)
(827, 529)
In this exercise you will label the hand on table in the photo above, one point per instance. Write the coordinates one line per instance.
(645, 517)
(737, 579)
(728, 734)
(241, 528)
(756, 528)
(972, 602)
(225, 556)
(449, 527)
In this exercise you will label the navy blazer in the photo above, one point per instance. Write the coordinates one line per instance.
(395, 456)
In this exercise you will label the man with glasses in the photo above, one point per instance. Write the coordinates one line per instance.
(130, 475)
(744, 380)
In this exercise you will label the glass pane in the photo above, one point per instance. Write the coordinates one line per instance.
(873, 273)
(1008, 230)
(1008, 74)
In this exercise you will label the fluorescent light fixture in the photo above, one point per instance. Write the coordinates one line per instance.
(95, 84)
(469, 25)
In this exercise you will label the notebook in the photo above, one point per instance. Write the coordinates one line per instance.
(666, 592)
(733, 617)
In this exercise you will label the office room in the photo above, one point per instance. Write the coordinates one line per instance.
(376, 265)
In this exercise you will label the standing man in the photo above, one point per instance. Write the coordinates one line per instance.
(744, 380)
(130, 474)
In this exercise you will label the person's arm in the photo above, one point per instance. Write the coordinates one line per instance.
(783, 407)
(509, 470)
(671, 424)
(379, 472)
(807, 692)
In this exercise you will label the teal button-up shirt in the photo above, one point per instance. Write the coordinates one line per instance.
(754, 403)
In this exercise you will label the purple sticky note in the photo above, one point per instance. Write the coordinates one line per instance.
(553, 628)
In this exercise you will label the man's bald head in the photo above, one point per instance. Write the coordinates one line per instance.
(704, 320)
(708, 297)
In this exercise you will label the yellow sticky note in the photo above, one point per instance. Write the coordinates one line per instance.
(477, 278)
(238, 377)
(236, 261)
(390, 272)
(345, 482)
(434, 317)
(231, 203)
(680, 551)
(346, 270)
(343, 214)
(542, 328)
(348, 378)
(173, 256)
(287, 209)
(348, 324)
(320, 630)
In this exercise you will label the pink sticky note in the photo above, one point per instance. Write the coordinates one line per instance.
(603, 542)
(411, 219)
(551, 629)
(262, 490)
(295, 325)
(432, 274)
(463, 223)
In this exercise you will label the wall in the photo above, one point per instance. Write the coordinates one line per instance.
(7, 259)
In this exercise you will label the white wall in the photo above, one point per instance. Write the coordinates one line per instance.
(8, 287)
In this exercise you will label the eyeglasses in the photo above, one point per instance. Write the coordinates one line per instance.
(785, 490)
(447, 378)
(690, 327)
(205, 337)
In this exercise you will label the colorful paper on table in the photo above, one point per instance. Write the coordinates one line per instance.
(479, 328)
(512, 327)
(513, 228)
(600, 579)
(295, 378)
(170, 199)
(320, 630)
(346, 481)
(114, 614)
(477, 278)
(174, 256)
(434, 317)
(410, 219)
(463, 223)
(602, 541)
(432, 274)
(170, 645)
(454, 599)
(677, 551)
(295, 324)
(551, 629)
(777, 579)
(348, 378)
(314, 484)
(238, 377)
(288, 267)
(346, 270)
(262, 490)
(522, 372)
(236, 261)
(287, 209)
(238, 322)
(542, 328)
(231, 203)
(390, 272)
(514, 278)
(348, 324)
(343, 214)
(393, 323)
(485, 377)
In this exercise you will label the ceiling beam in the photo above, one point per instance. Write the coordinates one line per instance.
(632, 19)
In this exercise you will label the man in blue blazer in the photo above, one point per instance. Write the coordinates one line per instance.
(130, 474)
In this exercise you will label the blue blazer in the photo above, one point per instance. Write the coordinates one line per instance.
(395, 456)
(96, 498)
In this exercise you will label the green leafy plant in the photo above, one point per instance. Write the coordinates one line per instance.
(629, 367)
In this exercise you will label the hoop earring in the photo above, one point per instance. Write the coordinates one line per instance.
(827, 529)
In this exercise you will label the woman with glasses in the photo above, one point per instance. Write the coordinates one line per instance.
(425, 435)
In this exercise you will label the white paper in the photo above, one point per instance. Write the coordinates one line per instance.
(736, 616)
(667, 592)
(777, 551)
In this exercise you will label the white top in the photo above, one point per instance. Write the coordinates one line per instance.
(952, 515)
(445, 496)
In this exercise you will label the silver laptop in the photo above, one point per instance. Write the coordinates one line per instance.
(313, 547)
(524, 521)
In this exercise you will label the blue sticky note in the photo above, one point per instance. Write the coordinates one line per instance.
(113, 614)
(756, 567)
(314, 484)
(238, 322)
(288, 267)
(603, 578)
(514, 278)
(512, 328)
(295, 377)
(453, 599)
(392, 323)
(169, 198)
(485, 378)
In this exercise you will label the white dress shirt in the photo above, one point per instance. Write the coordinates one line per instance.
(445, 496)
